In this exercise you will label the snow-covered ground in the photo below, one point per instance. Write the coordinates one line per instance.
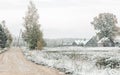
(78, 60)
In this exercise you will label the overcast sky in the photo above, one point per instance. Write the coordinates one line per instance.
(59, 18)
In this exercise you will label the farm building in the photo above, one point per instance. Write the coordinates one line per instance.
(67, 43)
(92, 42)
(80, 42)
(105, 42)
(117, 41)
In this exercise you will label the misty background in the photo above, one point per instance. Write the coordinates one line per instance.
(59, 18)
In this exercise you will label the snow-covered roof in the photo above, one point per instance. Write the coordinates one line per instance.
(81, 41)
(85, 41)
(77, 42)
(103, 39)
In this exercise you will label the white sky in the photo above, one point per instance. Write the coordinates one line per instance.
(59, 18)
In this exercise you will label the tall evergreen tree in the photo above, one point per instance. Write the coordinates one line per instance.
(8, 34)
(3, 37)
(32, 33)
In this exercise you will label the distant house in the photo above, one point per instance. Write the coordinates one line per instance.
(117, 41)
(85, 41)
(81, 42)
(67, 43)
(109, 43)
(105, 42)
(76, 43)
(92, 42)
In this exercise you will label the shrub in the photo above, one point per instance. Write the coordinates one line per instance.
(107, 62)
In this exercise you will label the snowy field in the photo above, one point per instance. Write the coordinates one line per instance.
(78, 60)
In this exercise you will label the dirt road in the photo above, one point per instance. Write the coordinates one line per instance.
(13, 62)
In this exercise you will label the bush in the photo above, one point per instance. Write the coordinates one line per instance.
(107, 62)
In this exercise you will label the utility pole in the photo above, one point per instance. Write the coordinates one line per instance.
(18, 44)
